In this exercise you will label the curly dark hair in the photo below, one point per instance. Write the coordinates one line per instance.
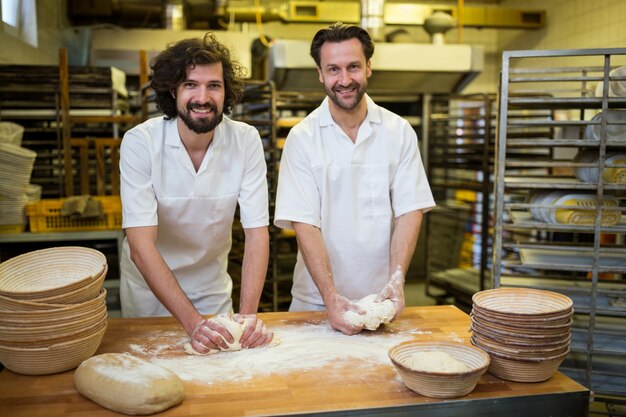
(339, 32)
(169, 70)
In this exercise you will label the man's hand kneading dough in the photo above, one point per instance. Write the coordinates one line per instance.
(394, 291)
(210, 335)
(255, 333)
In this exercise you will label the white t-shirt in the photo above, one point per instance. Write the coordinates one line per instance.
(352, 192)
(193, 210)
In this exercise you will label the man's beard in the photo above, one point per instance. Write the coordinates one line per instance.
(203, 124)
(353, 103)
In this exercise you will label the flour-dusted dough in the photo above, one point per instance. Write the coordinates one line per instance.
(234, 328)
(435, 361)
(127, 384)
(375, 313)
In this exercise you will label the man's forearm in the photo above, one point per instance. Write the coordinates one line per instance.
(311, 245)
(254, 269)
(403, 241)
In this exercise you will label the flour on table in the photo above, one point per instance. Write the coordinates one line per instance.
(435, 361)
(302, 348)
(234, 328)
(375, 313)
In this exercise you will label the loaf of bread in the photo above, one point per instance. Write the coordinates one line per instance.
(127, 384)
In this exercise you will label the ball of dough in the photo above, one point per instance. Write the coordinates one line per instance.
(375, 313)
(435, 361)
(235, 329)
(127, 384)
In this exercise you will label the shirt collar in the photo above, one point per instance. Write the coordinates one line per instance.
(172, 137)
(374, 114)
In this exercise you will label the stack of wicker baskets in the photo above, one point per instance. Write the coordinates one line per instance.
(53, 311)
(526, 332)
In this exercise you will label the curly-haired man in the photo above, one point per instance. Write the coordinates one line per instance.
(182, 175)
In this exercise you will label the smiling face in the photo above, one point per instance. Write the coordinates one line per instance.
(200, 98)
(344, 72)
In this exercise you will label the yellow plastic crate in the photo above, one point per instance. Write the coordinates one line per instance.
(12, 228)
(45, 216)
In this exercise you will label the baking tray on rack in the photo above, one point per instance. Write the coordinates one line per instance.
(567, 257)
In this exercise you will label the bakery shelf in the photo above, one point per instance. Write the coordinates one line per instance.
(258, 109)
(461, 137)
(585, 261)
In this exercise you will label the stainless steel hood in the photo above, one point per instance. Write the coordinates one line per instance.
(396, 67)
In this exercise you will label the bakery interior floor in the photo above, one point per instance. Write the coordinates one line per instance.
(415, 294)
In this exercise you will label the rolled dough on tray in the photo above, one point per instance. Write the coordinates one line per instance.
(129, 385)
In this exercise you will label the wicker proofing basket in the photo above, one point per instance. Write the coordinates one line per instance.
(522, 302)
(524, 370)
(520, 330)
(50, 272)
(526, 321)
(16, 308)
(528, 338)
(534, 348)
(11, 133)
(535, 353)
(59, 330)
(87, 292)
(49, 360)
(440, 384)
(47, 313)
(49, 340)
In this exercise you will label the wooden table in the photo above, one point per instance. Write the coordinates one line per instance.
(329, 391)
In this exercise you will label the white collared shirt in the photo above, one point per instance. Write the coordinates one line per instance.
(193, 210)
(352, 192)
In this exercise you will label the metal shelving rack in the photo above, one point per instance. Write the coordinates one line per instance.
(460, 154)
(291, 108)
(31, 95)
(258, 108)
(586, 262)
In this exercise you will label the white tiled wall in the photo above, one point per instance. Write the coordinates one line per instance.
(570, 24)
(486, 82)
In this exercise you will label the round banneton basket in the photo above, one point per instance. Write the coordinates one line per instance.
(513, 368)
(46, 313)
(52, 331)
(11, 133)
(55, 358)
(440, 384)
(528, 348)
(522, 302)
(17, 308)
(49, 273)
(528, 337)
(523, 331)
(49, 340)
(87, 292)
(526, 322)
(536, 352)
